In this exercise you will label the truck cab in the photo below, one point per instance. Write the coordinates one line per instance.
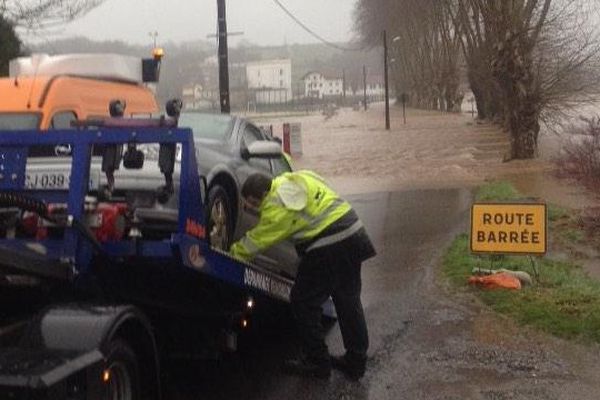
(50, 92)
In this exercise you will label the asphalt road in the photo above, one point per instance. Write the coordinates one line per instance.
(427, 341)
(409, 230)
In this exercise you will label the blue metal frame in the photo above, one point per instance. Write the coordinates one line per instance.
(188, 246)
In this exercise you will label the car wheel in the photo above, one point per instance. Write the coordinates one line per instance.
(219, 218)
(122, 372)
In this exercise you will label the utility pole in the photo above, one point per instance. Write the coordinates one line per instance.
(344, 87)
(365, 86)
(223, 58)
(385, 77)
(153, 35)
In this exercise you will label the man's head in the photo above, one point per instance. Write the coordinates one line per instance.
(254, 190)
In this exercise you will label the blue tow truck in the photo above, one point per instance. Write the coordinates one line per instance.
(89, 308)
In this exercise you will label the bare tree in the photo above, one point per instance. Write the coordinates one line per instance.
(567, 61)
(40, 14)
(10, 46)
(528, 61)
(425, 47)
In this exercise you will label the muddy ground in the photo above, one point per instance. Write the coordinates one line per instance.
(430, 150)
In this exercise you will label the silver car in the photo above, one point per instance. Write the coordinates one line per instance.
(229, 149)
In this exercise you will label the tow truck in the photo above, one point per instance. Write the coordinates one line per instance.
(89, 306)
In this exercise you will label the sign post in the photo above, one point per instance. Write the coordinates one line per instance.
(286, 139)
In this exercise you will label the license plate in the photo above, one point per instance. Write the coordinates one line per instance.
(47, 181)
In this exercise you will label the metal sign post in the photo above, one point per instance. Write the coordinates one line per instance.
(385, 75)
(404, 98)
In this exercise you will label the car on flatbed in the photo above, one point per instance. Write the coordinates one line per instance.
(230, 148)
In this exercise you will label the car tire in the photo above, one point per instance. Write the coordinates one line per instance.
(123, 372)
(219, 218)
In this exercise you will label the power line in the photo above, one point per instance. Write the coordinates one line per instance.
(313, 33)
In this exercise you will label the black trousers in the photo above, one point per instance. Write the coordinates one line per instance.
(330, 271)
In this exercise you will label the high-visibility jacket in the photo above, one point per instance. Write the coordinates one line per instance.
(299, 206)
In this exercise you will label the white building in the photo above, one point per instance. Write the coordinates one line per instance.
(319, 86)
(375, 86)
(196, 97)
(270, 81)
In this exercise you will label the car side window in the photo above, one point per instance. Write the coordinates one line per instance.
(251, 135)
(62, 120)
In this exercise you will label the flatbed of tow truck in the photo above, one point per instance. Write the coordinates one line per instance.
(92, 300)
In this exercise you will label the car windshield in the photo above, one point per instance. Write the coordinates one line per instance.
(19, 121)
(207, 126)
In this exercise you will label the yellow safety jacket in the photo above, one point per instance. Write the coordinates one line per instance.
(299, 206)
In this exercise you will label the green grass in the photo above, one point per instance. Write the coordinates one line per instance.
(497, 191)
(563, 300)
(573, 235)
(556, 213)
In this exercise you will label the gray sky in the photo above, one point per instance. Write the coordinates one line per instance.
(262, 21)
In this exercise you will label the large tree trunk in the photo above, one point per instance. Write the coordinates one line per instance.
(513, 72)
(525, 127)
(10, 46)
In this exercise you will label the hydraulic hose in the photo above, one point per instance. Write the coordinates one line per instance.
(8, 199)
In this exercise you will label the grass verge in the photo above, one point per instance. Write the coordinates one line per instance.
(563, 301)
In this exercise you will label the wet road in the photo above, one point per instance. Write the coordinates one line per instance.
(410, 230)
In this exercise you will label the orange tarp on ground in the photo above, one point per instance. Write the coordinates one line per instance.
(501, 280)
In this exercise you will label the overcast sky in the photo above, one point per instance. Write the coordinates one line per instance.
(262, 21)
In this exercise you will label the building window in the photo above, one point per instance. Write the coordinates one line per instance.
(280, 72)
(281, 83)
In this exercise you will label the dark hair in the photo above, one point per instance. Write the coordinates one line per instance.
(256, 186)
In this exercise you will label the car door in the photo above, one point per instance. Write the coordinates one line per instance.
(246, 135)
(281, 257)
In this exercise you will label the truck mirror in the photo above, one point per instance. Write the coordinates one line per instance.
(150, 69)
(133, 158)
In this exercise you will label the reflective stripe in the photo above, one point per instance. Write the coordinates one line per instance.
(315, 221)
(336, 237)
(249, 245)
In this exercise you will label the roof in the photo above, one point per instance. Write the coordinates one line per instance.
(273, 61)
(373, 79)
(328, 76)
(17, 93)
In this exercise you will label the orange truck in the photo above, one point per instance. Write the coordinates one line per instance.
(49, 92)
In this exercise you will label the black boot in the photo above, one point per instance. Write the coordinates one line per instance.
(305, 367)
(353, 367)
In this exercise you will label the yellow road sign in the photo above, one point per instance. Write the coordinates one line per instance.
(508, 228)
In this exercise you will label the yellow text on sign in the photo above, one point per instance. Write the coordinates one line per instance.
(508, 228)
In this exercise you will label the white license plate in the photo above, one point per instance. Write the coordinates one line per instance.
(47, 181)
